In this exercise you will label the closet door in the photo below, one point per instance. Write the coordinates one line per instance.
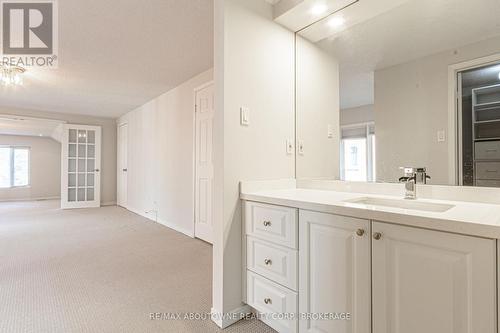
(122, 161)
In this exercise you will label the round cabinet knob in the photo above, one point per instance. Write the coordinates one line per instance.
(267, 223)
(268, 262)
(360, 232)
(377, 236)
(268, 301)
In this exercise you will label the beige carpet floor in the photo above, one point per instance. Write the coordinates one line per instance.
(100, 270)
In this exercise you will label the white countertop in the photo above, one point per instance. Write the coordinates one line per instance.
(469, 218)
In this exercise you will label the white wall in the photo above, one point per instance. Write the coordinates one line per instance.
(254, 68)
(357, 115)
(45, 168)
(411, 105)
(317, 107)
(108, 159)
(161, 157)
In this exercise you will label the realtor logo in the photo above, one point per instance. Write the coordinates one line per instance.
(29, 32)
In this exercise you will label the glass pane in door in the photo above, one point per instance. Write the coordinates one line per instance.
(71, 180)
(90, 165)
(72, 195)
(91, 151)
(90, 179)
(72, 136)
(72, 165)
(81, 180)
(82, 151)
(81, 194)
(91, 137)
(72, 150)
(90, 194)
(82, 136)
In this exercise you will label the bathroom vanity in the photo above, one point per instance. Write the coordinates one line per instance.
(345, 259)
(384, 91)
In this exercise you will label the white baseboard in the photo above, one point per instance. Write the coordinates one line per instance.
(224, 320)
(108, 203)
(30, 199)
(162, 222)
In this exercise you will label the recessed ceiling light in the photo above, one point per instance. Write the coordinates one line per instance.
(319, 9)
(499, 76)
(336, 22)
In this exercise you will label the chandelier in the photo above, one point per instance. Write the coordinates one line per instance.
(11, 75)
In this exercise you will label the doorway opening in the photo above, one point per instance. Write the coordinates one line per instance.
(479, 119)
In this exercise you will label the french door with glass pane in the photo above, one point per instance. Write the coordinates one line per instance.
(81, 163)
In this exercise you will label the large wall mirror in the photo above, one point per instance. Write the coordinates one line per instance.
(403, 83)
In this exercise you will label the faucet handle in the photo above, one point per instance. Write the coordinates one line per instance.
(408, 179)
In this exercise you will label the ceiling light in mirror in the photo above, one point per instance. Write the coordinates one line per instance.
(319, 9)
(336, 22)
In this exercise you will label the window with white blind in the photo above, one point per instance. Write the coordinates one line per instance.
(14, 166)
(357, 157)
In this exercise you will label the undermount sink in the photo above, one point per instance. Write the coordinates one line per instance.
(403, 204)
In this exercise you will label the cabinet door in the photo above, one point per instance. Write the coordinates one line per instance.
(334, 273)
(432, 282)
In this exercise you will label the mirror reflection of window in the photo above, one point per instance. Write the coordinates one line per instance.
(358, 153)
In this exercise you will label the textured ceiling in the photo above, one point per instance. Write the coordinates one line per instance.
(115, 55)
(415, 29)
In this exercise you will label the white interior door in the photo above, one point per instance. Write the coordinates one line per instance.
(204, 163)
(81, 166)
(122, 165)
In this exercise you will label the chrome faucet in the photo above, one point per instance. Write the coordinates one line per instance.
(412, 177)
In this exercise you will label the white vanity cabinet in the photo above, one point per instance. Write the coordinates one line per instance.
(334, 272)
(389, 278)
(433, 282)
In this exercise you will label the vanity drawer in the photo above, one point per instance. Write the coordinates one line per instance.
(488, 170)
(488, 150)
(274, 262)
(273, 302)
(488, 183)
(276, 224)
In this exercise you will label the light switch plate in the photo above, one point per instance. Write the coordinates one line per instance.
(289, 147)
(330, 131)
(245, 116)
(300, 147)
(441, 136)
